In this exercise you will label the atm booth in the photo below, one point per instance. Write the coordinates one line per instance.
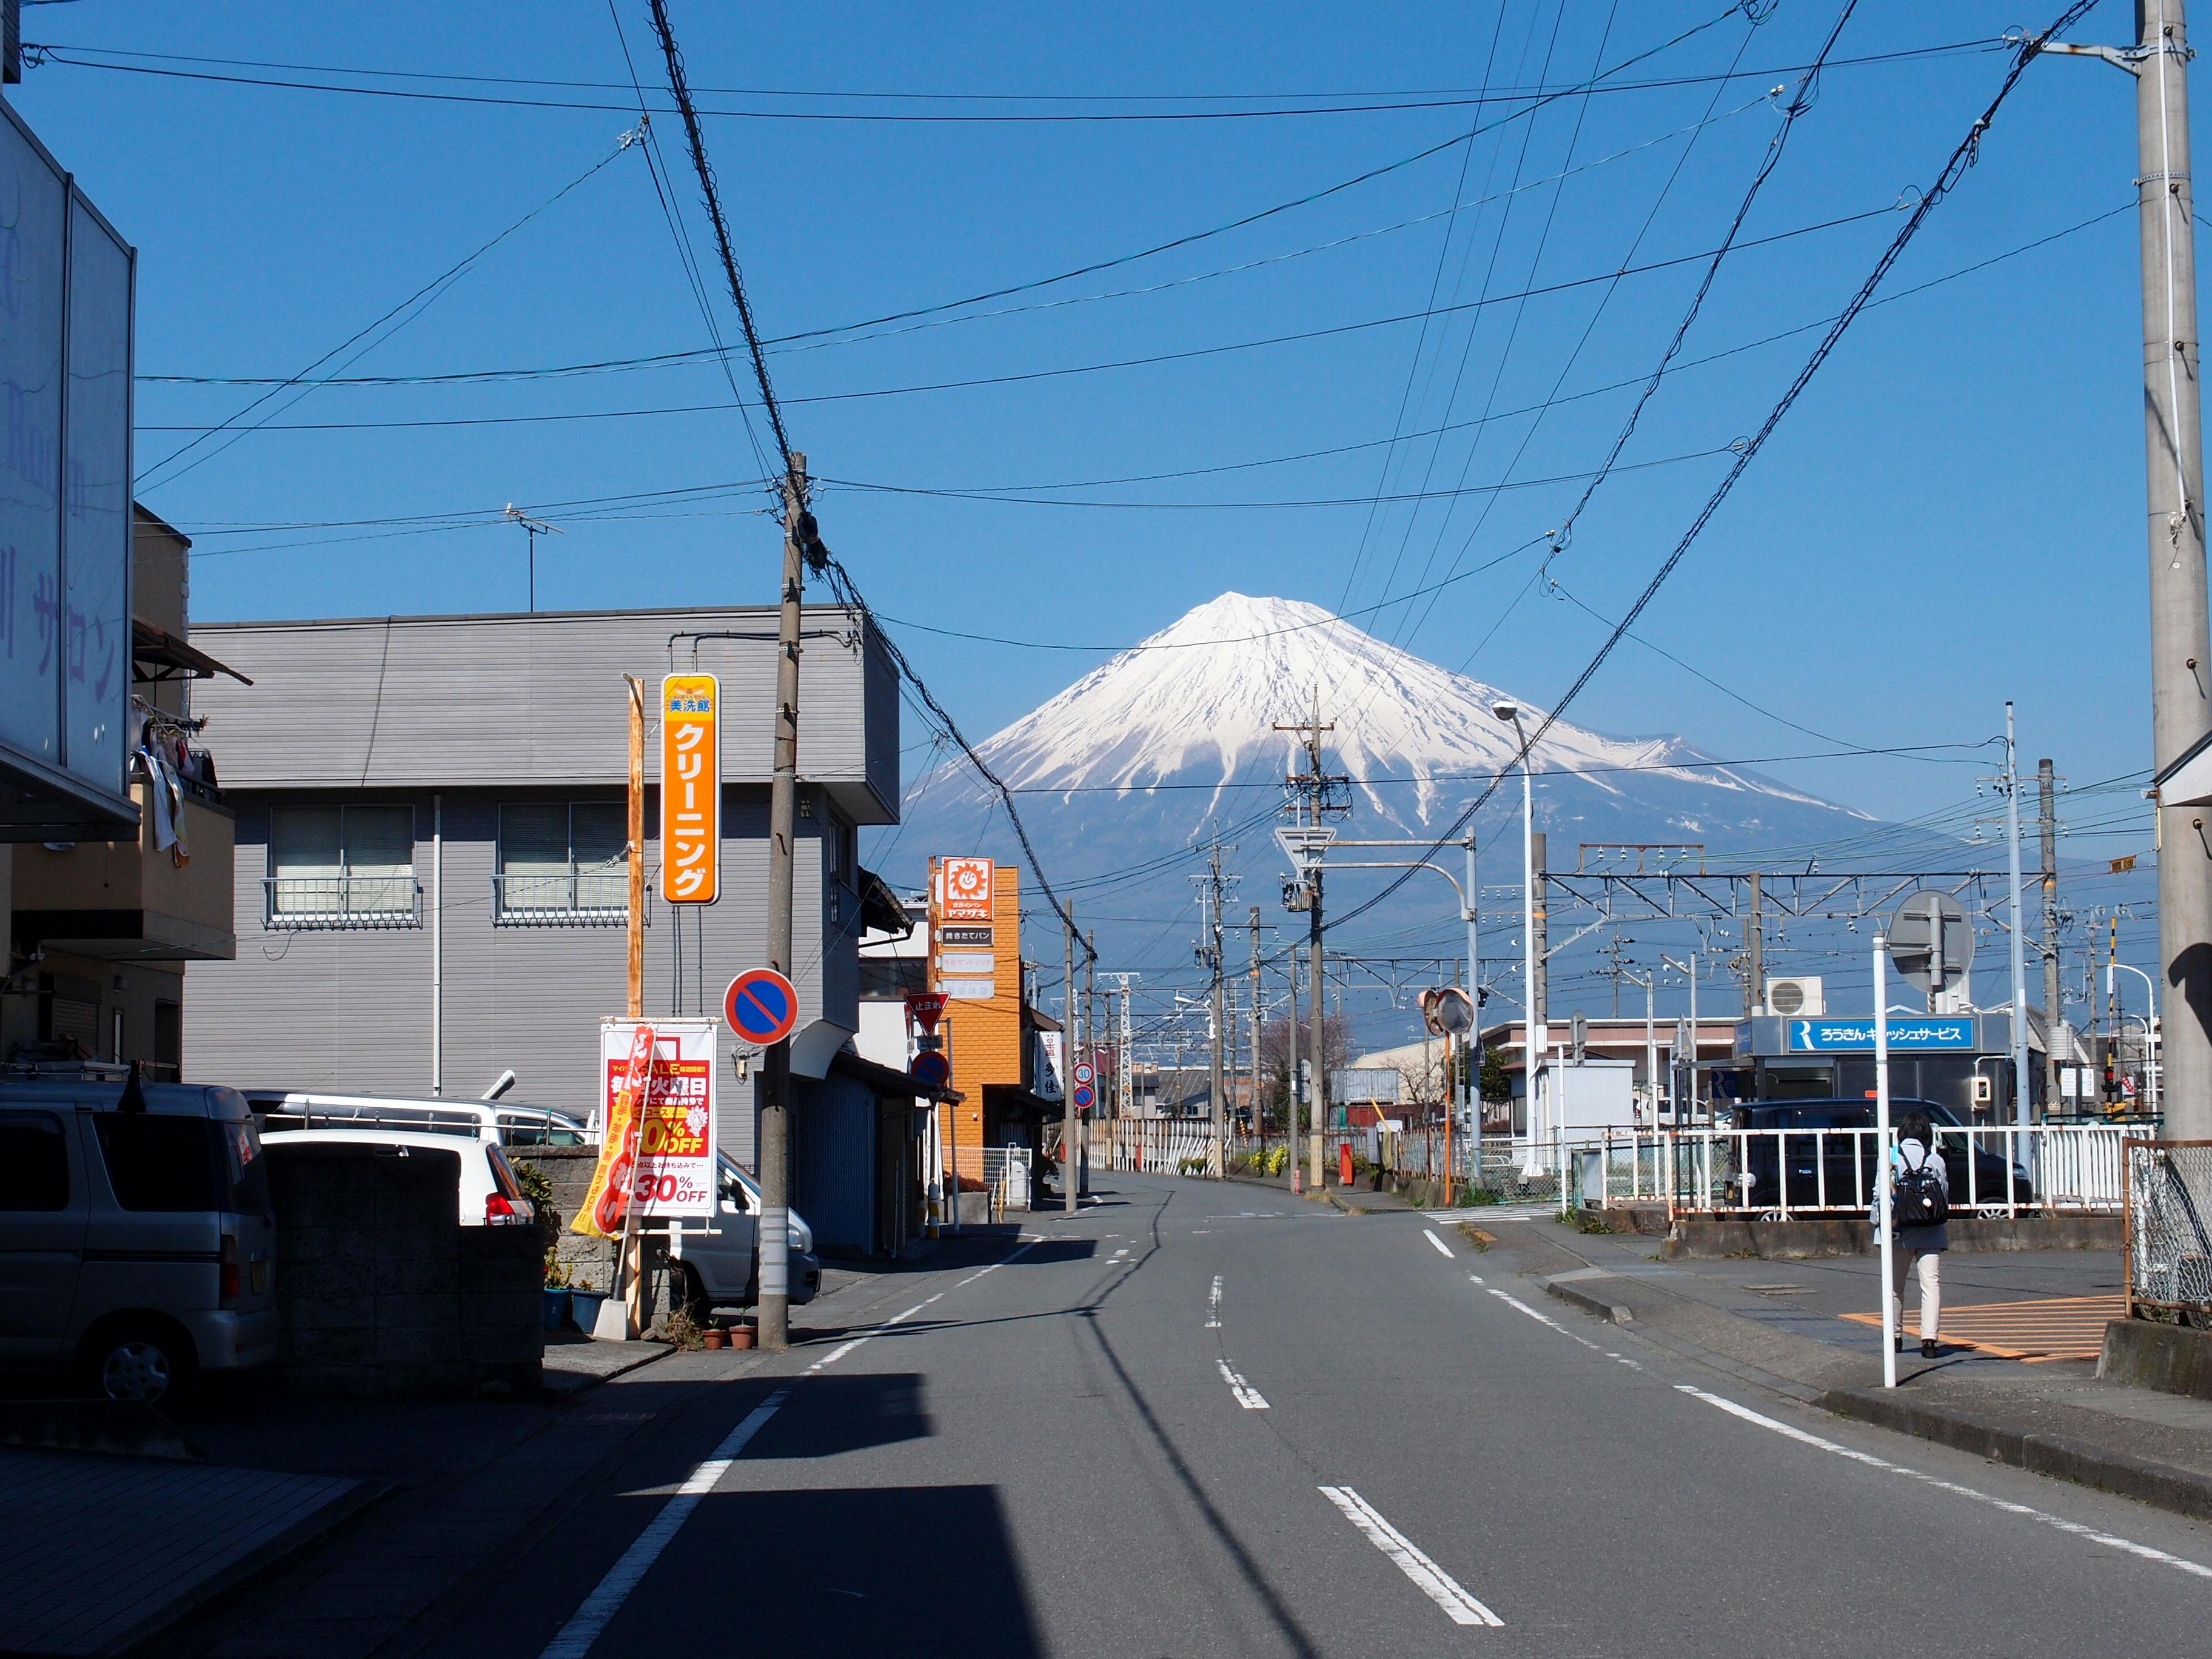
(1963, 1062)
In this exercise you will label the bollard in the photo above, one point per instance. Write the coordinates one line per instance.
(1344, 1164)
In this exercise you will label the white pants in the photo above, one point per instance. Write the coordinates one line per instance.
(1931, 1263)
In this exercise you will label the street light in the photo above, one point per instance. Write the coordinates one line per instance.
(2150, 1024)
(1535, 1039)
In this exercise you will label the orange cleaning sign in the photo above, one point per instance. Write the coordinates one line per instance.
(690, 789)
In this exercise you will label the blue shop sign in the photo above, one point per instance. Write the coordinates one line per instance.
(1824, 1036)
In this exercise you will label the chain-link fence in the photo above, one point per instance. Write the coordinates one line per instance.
(2169, 1211)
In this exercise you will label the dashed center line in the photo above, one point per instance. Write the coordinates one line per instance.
(1213, 1306)
(1433, 1580)
(1438, 1242)
(1247, 1396)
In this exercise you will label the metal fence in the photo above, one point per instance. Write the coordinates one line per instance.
(1007, 1178)
(2169, 1217)
(1781, 1173)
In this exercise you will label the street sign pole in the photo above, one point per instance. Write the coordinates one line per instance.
(1881, 1161)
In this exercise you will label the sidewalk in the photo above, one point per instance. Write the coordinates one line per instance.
(98, 1552)
(1804, 1328)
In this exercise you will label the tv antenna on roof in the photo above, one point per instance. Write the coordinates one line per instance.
(534, 527)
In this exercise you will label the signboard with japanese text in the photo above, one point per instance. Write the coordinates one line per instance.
(968, 884)
(690, 789)
(674, 1171)
(66, 293)
(1822, 1036)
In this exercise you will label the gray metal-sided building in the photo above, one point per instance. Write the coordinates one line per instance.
(432, 870)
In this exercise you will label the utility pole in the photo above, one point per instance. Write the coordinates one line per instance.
(782, 832)
(1258, 1121)
(2019, 930)
(1315, 795)
(1068, 1177)
(1209, 953)
(1090, 1031)
(636, 826)
(2174, 467)
(2181, 639)
(1617, 972)
(1754, 945)
(2054, 1021)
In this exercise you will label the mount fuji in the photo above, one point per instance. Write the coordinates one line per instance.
(1121, 777)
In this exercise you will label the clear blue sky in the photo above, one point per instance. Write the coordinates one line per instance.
(1953, 514)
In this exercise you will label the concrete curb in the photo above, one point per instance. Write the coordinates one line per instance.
(1577, 1298)
(2184, 1492)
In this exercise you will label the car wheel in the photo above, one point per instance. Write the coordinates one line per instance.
(140, 1365)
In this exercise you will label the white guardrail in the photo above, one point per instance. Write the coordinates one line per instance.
(1997, 1171)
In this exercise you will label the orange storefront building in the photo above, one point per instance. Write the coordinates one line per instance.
(990, 1031)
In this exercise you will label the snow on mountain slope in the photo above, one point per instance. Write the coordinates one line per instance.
(1200, 701)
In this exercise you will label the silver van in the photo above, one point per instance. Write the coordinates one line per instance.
(137, 1242)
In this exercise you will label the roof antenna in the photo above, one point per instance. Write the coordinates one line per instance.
(134, 1091)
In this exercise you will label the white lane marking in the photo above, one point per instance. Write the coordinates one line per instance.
(1433, 1580)
(2109, 1541)
(1010, 1256)
(1434, 1240)
(844, 1348)
(1541, 1319)
(588, 1621)
(1247, 1396)
(1213, 1306)
(1475, 1279)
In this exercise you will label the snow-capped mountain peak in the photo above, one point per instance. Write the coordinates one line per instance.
(1203, 699)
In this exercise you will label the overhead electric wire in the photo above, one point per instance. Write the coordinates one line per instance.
(1962, 157)
(1436, 285)
(1148, 361)
(405, 310)
(840, 582)
(92, 57)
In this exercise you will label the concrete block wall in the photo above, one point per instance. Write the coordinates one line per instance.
(381, 1290)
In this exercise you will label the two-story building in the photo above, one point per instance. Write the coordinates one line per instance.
(433, 865)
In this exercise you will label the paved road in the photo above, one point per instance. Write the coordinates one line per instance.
(1205, 1419)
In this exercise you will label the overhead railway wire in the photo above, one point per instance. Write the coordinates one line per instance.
(1962, 157)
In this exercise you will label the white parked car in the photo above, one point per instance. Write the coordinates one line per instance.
(721, 1269)
(490, 1197)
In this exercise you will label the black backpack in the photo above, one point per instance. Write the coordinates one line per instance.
(1920, 1199)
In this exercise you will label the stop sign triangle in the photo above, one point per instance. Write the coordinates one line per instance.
(926, 1006)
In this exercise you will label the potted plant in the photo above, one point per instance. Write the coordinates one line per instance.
(584, 1303)
(558, 1295)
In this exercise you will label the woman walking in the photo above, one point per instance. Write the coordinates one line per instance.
(1920, 1210)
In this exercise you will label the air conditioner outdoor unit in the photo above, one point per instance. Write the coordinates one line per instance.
(1791, 997)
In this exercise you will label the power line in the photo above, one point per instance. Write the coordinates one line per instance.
(1964, 156)
(405, 310)
(96, 58)
(1150, 360)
